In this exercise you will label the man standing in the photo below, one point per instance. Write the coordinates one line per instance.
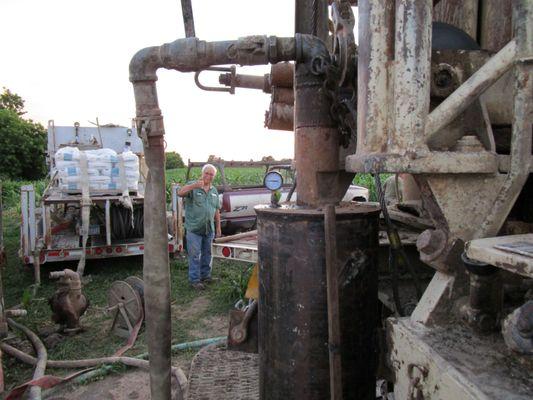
(202, 215)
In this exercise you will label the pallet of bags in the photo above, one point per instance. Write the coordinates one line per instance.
(103, 170)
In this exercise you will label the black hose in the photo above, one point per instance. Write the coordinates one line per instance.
(121, 222)
(293, 187)
(396, 252)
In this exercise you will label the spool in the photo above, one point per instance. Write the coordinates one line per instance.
(128, 296)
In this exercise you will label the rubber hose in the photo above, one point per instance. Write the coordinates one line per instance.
(91, 362)
(40, 362)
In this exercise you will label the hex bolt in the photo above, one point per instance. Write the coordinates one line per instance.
(431, 242)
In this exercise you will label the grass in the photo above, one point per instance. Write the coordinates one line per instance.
(96, 341)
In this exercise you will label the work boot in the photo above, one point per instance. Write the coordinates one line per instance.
(198, 286)
(209, 280)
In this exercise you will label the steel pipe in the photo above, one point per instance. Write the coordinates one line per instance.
(282, 75)
(375, 54)
(188, 18)
(184, 55)
(311, 17)
(260, 82)
(412, 75)
(465, 94)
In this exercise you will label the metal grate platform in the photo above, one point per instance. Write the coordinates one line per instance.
(220, 374)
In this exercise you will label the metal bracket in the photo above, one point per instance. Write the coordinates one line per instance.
(144, 128)
(230, 89)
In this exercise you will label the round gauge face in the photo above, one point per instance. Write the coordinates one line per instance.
(273, 180)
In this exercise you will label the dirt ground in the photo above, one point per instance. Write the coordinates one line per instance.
(135, 384)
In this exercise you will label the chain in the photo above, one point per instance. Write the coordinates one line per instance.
(340, 91)
(342, 100)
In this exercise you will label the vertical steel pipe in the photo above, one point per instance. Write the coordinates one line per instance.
(316, 142)
(521, 145)
(156, 273)
(332, 284)
(188, 18)
(184, 55)
(293, 305)
(311, 17)
(375, 54)
(412, 75)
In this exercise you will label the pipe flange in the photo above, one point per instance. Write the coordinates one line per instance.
(478, 267)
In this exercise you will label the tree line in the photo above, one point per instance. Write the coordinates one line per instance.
(23, 142)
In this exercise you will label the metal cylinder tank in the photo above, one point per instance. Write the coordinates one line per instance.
(293, 321)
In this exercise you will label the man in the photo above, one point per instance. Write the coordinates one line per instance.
(202, 215)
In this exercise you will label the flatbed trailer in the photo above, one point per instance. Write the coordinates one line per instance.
(51, 222)
(42, 241)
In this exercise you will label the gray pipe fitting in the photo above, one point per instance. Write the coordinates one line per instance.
(517, 329)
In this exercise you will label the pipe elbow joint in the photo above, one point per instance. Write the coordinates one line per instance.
(181, 55)
(311, 50)
(144, 64)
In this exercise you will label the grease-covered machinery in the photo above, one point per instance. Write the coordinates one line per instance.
(437, 90)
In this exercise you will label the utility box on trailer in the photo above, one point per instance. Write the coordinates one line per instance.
(93, 205)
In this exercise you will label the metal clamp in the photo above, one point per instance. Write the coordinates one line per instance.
(230, 89)
(144, 127)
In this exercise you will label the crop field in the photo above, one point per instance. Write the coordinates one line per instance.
(194, 315)
(254, 176)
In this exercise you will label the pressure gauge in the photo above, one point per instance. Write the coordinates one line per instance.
(273, 180)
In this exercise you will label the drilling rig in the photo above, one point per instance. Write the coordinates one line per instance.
(440, 92)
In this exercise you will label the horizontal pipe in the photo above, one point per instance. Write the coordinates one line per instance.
(465, 94)
(192, 54)
(280, 116)
(259, 82)
(282, 75)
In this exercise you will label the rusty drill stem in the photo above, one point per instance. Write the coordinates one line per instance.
(188, 18)
(334, 329)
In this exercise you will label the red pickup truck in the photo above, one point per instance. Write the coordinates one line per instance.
(238, 202)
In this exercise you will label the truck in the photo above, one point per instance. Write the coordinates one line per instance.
(52, 223)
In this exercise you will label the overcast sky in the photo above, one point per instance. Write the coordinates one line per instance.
(69, 60)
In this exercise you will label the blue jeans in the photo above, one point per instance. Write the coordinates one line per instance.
(199, 253)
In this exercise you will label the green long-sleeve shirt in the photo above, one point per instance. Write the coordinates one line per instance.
(200, 208)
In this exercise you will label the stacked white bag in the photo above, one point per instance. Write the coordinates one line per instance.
(103, 170)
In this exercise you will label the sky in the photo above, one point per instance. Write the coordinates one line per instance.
(68, 59)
